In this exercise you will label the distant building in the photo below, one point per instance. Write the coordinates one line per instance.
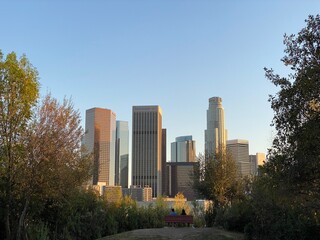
(253, 164)
(180, 179)
(138, 193)
(261, 158)
(147, 147)
(99, 139)
(122, 154)
(147, 194)
(183, 149)
(256, 161)
(239, 150)
(164, 162)
(215, 134)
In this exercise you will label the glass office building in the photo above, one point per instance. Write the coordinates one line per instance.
(183, 149)
(99, 139)
(122, 154)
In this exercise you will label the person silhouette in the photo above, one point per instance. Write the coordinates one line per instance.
(183, 212)
(173, 213)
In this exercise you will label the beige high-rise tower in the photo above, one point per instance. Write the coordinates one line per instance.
(147, 147)
(215, 134)
(100, 134)
(239, 149)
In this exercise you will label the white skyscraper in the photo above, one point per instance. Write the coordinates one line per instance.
(215, 134)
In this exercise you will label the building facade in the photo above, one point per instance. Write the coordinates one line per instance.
(122, 154)
(99, 139)
(239, 150)
(215, 134)
(183, 149)
(147, 148)
(164, 177)
(180, 179)
(256, 161)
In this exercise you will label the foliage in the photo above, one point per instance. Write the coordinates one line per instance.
(55, 160)
(285, 198)
(211, 214)
(18, 95)
(295, 153)
(180, 203)
(237, 216)
(40, 154)
(215, 177)
(198, 213)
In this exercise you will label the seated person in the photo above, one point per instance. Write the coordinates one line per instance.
(173, 213)
(183, 212)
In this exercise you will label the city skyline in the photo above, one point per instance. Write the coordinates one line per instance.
(176, 54)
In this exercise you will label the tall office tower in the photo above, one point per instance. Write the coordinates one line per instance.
(164, 163)
(122, 154)
(215, 134)
(99, 139)
(183, 149)
(239, 150)
(147, 147)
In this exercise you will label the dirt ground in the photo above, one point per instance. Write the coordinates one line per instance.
(187, 233)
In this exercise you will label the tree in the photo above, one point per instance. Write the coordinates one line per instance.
(180, 203)
(55, 163)
(19, 89)
(295, 154)
(215, 177)
(286, 195)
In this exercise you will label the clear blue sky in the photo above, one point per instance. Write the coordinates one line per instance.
(176, 54)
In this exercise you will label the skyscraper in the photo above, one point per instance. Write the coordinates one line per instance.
(239, 150)
(164, 162)
(183, 149)
(147, 147)
(215, 134)
(122, 154)
(100, 133)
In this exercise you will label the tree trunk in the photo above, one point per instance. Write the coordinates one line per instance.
(8, 232)
(21, 220)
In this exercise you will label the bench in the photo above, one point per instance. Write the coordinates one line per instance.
(175, 219)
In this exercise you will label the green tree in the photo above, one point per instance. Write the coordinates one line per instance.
(286, 195)
(215, 177)
(294, 159)
(19, 89)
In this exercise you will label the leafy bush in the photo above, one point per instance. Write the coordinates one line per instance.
(237, 216)
(210, 215)
(38, 231)
(198, 215)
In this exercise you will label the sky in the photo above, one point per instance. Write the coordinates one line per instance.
(176, 54)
